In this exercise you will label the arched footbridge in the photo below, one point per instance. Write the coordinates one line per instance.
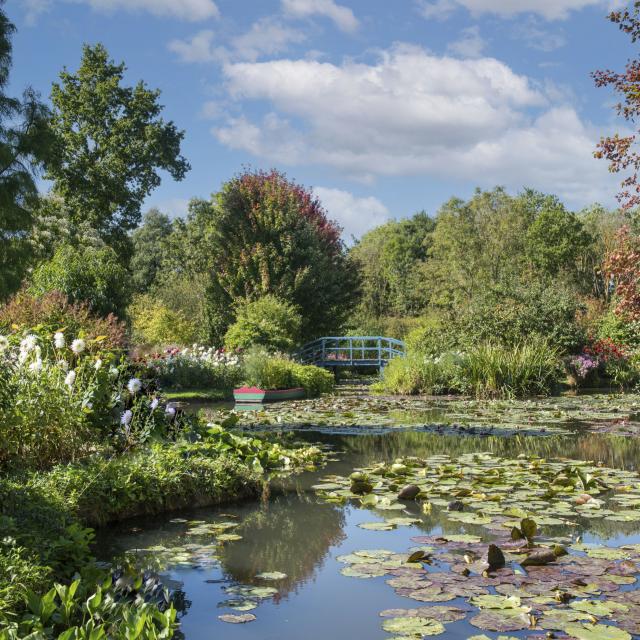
(351, 351)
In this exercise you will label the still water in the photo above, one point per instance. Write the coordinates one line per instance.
(293, 532)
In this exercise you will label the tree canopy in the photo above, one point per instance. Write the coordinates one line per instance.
(264, 234)
(110, 143)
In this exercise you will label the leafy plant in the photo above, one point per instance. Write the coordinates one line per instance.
(265, 371)
(155, 324)
(267, 322)
(84, 274)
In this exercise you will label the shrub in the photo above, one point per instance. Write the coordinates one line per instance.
(523, 312)
(619, 330)
(154, 323)
(195, 367)
(267, 322)
(53, 312)
(59, 400)
(19, 572)
(314, 380)
(265, 371)
(86, 274)
(433, 338)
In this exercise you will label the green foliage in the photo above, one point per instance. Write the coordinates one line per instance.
(267, 322)
(529, 368)
(419, 373)
(107, 151)
(263, 234)
(194, 367)
(432, 338)
(528, 310)
(486, 370)
(611, 326)
(83, 611)
(94, 276)
(155, 324)
(53, 312)
(45, 421)
(20, 571)
(555, 239)
(266, 371)
(150, 245)
(24, 145)
(388, 258)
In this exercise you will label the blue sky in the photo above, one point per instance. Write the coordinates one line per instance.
(384, 107)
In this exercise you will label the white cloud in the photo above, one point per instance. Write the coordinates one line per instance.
(549, 9)
(266, 36)
(341, 16)
(354, 214)
(537, 37)
(191, 10)
(198, 49)
(414, 113)
(34, 8)
(470, 45)
(173, 207)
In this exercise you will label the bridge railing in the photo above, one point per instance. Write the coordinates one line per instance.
(351, 351)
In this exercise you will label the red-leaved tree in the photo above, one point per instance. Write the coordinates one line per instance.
(623, 265)
(620, 150)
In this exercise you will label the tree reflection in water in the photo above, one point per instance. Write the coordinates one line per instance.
(291, 533)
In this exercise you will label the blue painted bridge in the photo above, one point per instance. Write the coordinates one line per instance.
(351, 351)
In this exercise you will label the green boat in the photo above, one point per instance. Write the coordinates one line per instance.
(253, 394)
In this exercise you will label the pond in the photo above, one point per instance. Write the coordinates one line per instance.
(300, 561)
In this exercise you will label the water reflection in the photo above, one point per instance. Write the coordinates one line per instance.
(291, 533)
(294, 532)
(620, 452)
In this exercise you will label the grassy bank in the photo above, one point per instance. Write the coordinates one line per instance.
(45, 517)
(484, 371)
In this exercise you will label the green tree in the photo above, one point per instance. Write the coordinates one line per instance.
(264, 234)
(85, 274)
(388, 258)
(555, 239)
(24, 145)
(110, 142)
(267, 322)
(150, 245)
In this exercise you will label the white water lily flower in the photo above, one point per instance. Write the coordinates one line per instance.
(70, 379)
(98, 364)
(4, 343)
(78, 345)
(28, 343)
(126, 417)
(134, 385)
(58, 340)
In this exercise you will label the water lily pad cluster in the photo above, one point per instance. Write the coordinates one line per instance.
(573, 595)
(517, 574)
(606, 413)
(485, 492)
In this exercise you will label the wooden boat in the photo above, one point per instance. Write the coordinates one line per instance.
(253, 394)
